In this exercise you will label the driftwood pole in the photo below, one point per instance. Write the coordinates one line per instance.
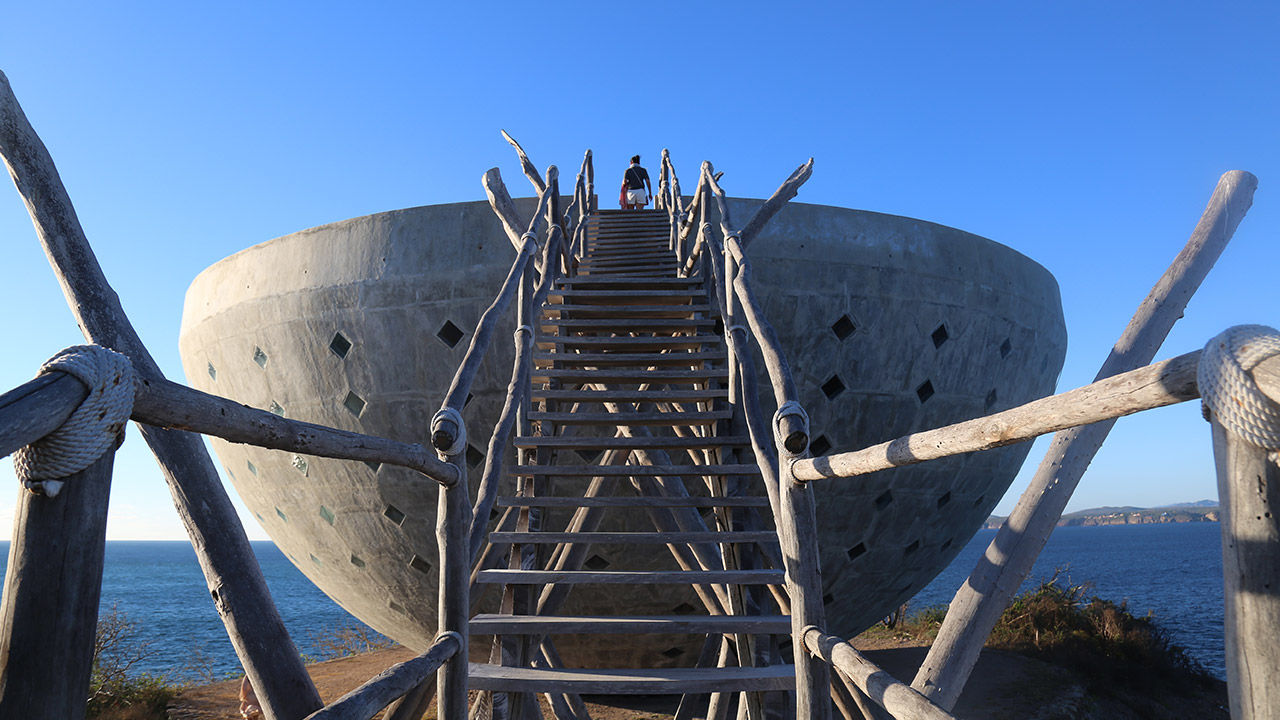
(234, 579)
(1008, 560)
(51, 592)
(1240, 383)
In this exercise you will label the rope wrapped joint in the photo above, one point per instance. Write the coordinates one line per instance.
(1229, 392)
(795, 437)
(96, 427)
(448, 432)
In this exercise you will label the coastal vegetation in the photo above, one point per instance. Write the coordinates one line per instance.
(117, 689)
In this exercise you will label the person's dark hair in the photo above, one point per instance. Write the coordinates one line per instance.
(635, 159)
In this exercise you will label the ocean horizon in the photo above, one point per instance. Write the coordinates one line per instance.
(1172, 572)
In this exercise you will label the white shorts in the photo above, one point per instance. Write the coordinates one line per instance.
(637, 197)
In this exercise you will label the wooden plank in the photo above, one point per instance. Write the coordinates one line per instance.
(673, 283)
(636, 501)
(623, 395)
(628, 376)
(51, 590)
(642, 359)
(610, 443)
(630, 311)
(627, 324)
(655, 418)
(629, 470)
(498, 624)
(665, 577)
(642, 538)
(666, 681)
(628, 343)
(230, 569)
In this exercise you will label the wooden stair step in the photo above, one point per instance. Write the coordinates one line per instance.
(637, 501)
(622, 395)
(669, 681)
(666, 310)
(627, 324)
(577, 442)
(631, 577)
(627, 538)
(499, 624)
(589, 283)
(636, 470)
(629, 419)
(620, 342)
(624, 375)
(576, 294)
(687, 359)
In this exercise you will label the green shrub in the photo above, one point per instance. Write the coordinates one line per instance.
(116, 690)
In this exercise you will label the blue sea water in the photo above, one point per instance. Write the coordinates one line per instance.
(1173, 571)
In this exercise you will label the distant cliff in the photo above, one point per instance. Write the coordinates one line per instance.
(1201, 511)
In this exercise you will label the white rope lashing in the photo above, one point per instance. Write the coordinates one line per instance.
(1229, 392)
(792, 408)
(95, 427)
(460, 439)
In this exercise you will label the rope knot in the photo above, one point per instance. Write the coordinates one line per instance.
(92, 429)
(1229, 394)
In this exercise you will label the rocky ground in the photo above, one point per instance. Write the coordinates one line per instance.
(1005, 686)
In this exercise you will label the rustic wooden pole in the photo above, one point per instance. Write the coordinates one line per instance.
(453, 526)
(234, 579)
(1008, 560)
(530, 171)
(51, 592)
(900, 700)
(1240, 378)
(503, 206)
(367, 700)
(1164, 383)
(37, 408)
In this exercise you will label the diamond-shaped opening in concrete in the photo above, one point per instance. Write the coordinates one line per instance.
(885, 498)
(493, 513)
(672, 653)
(355, 560)
(259, 356)
(213, 372)
(340, 345)
(843, 327)
(449, 333)
(259, 516)
(282, 515)
(233, 475)
(253, 469)
(327, 514)
(978, 502)
(990, 401)
(945, 545)
(397, 607)
(417, 563)
(939, 335)
(300, 464)
(595, 562)
(828, 599)
(275, 409)
(393, 514)
(857, 550)
(314, 559)
(474, 457)
(902, 590)
(820, 445)
(588, 455)
(467, 402)
(373, 466)
(914, 546)
(1005, 348)
(719, 327)
(946, 498)
(833, 387)
(353, 403)
(925, 391)
(683, 609)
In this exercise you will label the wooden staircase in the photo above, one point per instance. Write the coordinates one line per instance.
(629, 414)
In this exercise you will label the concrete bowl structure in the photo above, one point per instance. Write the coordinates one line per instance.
(892, 325)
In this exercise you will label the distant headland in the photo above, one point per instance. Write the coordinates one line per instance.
(1199, 511)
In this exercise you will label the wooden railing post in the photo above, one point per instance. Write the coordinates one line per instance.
(1239, 381)
(453, 538)
(51, 592)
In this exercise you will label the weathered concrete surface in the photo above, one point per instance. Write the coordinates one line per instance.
(892, 325)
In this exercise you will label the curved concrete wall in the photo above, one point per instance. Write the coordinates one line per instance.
(892, 325)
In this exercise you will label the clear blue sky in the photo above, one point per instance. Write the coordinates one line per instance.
(1086, 135)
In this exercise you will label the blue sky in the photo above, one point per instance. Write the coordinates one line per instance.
(1086, 135)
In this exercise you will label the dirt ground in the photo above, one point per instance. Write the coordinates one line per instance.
(1004, 686)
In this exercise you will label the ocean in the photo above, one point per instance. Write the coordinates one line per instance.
(1173, 571)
